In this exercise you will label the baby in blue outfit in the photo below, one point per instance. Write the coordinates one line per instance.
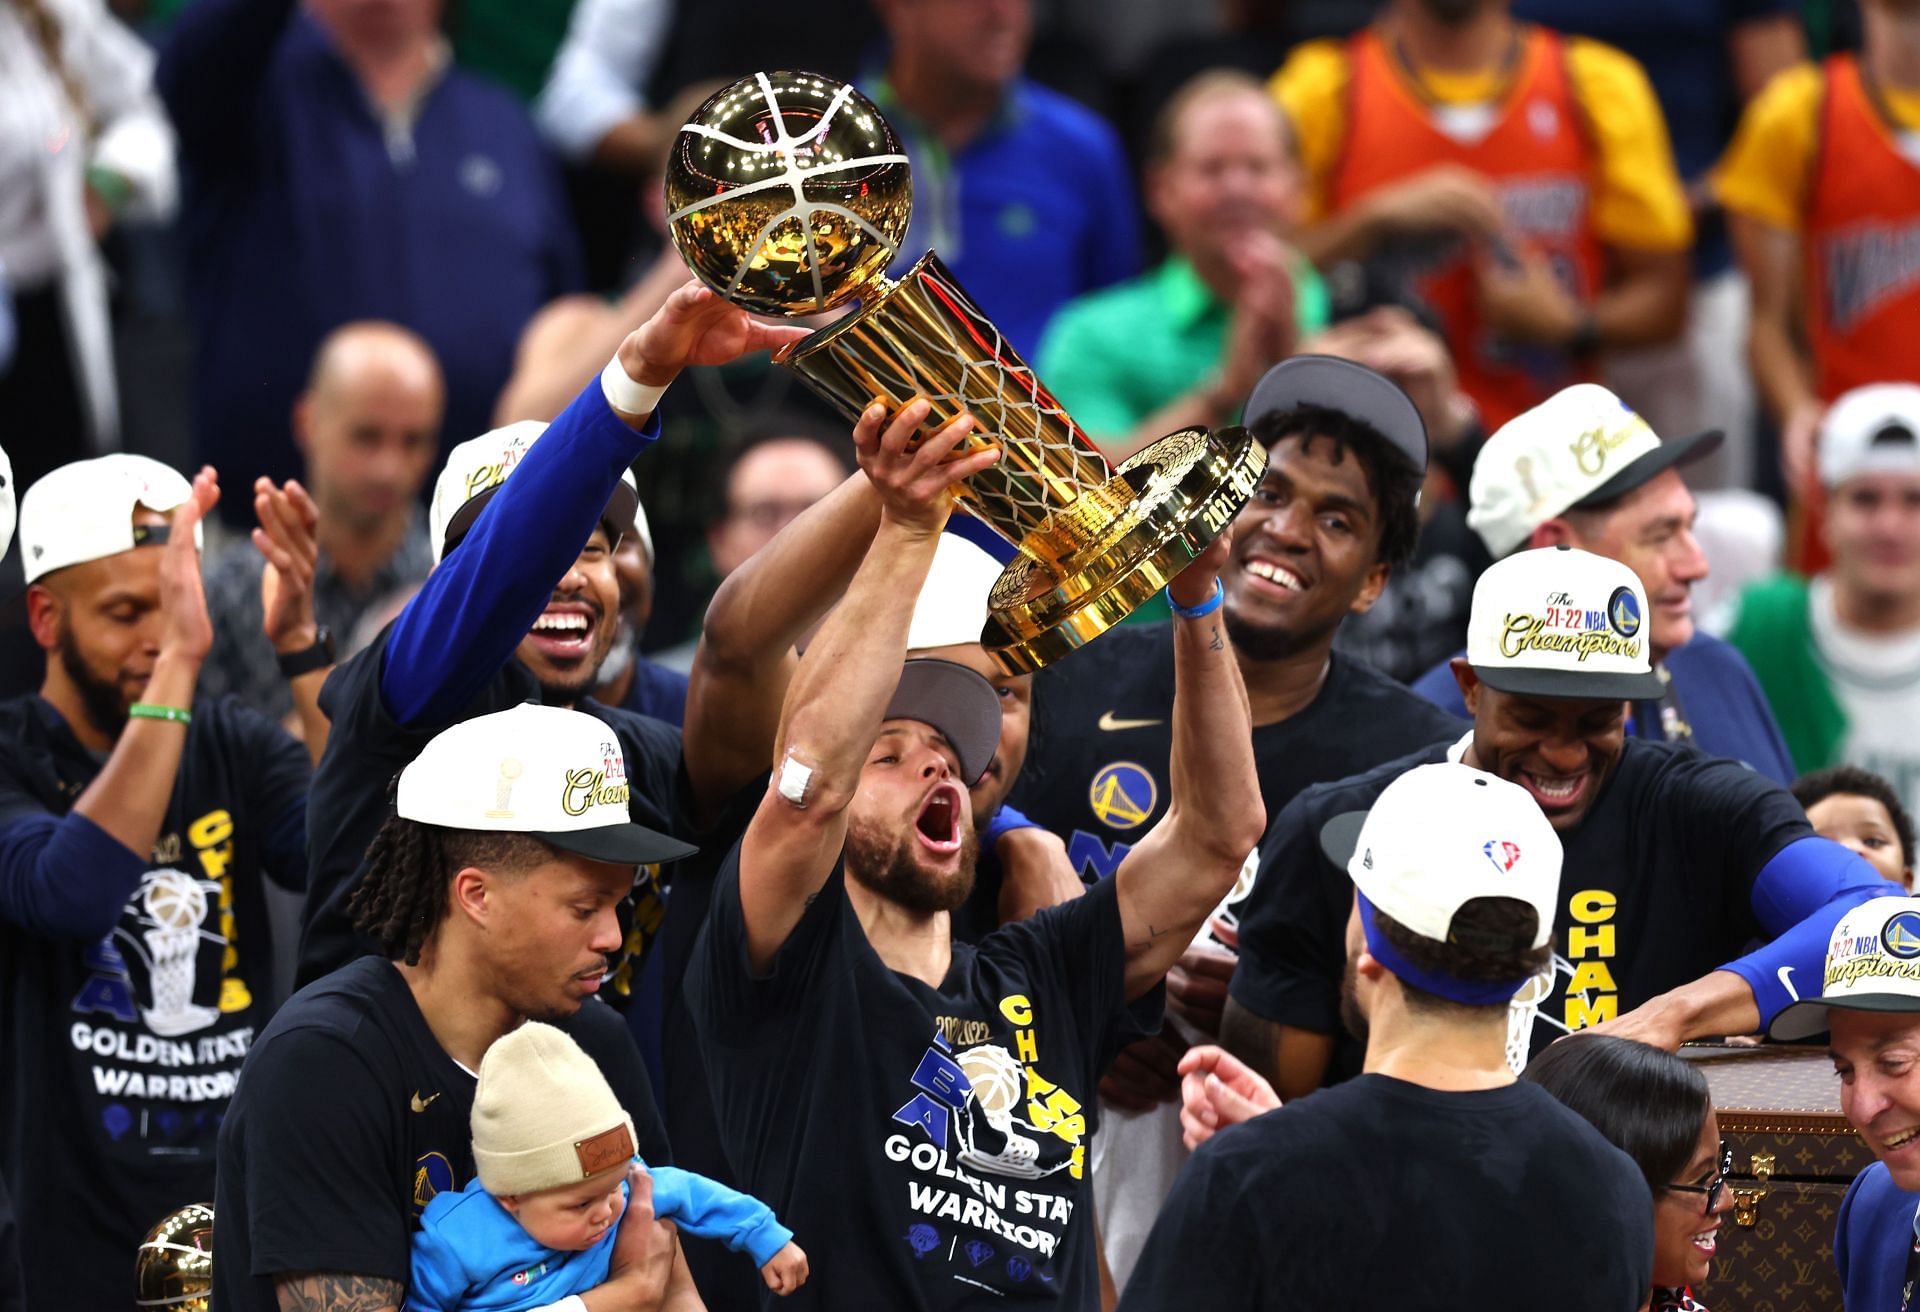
(553, 1147)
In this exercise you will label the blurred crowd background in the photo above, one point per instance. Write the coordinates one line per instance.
(332, 239)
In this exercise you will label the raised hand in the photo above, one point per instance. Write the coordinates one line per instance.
(1194, 584)
(287, 538)
(912, 481)
(697, 326)
(189, 632)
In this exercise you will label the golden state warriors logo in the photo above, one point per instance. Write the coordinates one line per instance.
(1123, 795)
(1623, 612)
(432, 1174)
(1901, 937)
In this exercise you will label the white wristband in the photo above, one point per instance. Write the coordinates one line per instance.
(625, 395)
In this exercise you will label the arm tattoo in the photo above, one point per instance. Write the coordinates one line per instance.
(1152, 934)
(332, 1291)
(1216, 643)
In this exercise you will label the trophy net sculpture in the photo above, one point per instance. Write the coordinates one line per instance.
(789, 194)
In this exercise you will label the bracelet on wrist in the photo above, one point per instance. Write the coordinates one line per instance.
(155, 711)
(1204, 609)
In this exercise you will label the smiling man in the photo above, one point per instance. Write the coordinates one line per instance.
(1332, 517)
(1870, 1006)
(957, 1080)
(1675, 861)
(1583, 470)
(523, 603)
(1839, 654)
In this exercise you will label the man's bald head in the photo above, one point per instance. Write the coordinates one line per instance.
(369, 423)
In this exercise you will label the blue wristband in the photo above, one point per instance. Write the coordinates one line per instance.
(1204, 609)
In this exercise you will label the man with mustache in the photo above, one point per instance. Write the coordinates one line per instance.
(957, 1080)
(1675, 861)
(1517, 182)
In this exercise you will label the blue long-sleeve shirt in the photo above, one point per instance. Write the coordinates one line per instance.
(306, 208)
(477, 605)
(449, 656)
(471, 1254)
(1798, 897)
(1718, 694)
(1871, 1242)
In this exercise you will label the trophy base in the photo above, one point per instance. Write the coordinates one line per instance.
(1160, 511)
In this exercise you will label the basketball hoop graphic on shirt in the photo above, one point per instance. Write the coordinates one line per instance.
(172, 910)
(1525, 1010)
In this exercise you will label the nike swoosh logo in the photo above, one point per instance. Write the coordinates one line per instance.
(1109, 724)
(421, 1104)
(1786, 982)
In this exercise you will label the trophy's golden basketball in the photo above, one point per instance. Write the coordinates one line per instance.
(750, 213)
(788, 193)
(174, 1267)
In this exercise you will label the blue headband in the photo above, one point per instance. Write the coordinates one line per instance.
(1454, 990)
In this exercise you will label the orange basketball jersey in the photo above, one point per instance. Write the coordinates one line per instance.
(1862, 243)
(1534, 150)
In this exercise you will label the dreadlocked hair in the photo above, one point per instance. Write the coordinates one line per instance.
(402, 896)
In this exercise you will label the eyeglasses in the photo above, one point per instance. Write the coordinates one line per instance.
(1716, 1186)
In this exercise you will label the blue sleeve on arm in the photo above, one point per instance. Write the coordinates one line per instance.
(479, 602)
(210, 73)
(1799, 896)
(711, 1210)
(1004, 822)
(65, 878)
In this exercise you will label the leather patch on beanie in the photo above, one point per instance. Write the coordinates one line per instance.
(606, 1149)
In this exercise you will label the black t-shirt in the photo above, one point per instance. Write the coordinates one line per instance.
(1654, 892)
(121, 1050)
(12, 1297)
(1386, 1195)
(349, 1118)
(1096, 771)
(928, 1146)
(367, 749)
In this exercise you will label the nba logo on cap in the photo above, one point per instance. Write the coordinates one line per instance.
(1502, 853)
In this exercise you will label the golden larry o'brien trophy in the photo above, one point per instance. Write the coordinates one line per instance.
(174, 1267)
(789, 194)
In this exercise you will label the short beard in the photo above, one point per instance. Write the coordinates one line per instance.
(1264, 644)
(890, 870)
(1350, 1014)
(102, 702)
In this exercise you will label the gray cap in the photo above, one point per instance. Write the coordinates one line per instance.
(956, 701)
(1353, 389)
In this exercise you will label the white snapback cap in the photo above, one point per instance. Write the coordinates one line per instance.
(1437, 838)
(554, 774)
(84, 511)
(1560, 622)
(1873, 964)
(1580, 448)
(952, 607)
(476, 469)
(1871, 430)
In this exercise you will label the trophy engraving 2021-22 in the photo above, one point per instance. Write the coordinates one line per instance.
(789, 194)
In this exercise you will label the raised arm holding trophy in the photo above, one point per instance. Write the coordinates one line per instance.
(788, 194)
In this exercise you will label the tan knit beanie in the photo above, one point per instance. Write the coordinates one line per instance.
(544, 1115)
